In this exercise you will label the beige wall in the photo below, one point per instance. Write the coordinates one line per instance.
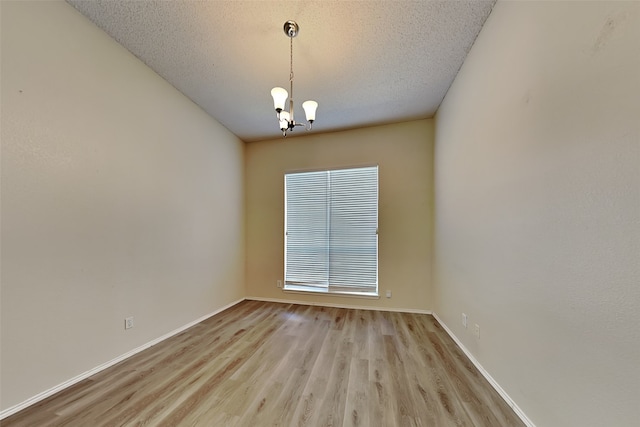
(120, 198)
(537, 196)
(404, 155)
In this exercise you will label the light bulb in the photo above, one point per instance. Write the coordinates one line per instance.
(279, 98)
(284, 120)
(310, 110)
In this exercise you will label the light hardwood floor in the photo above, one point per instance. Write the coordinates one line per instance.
(269, 364)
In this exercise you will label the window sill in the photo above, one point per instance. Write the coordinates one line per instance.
(323, 291)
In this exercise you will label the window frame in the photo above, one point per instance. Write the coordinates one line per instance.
(329, 288)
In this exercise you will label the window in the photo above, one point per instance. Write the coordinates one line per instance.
(331, 231)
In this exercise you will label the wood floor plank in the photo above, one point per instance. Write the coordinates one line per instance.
(361, 334)
(269, 364)
(356, 412)
(316, 390)
(383, 406)
(331, 411)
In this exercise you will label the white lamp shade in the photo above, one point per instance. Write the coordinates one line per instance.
(310, 110)
(279, 98)
(284, 120)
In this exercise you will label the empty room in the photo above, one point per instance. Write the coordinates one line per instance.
(446, 234)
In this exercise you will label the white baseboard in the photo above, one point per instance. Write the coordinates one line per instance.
(41, 396)
(326, 304)
(487, 376)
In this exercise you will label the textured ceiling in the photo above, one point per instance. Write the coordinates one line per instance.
(364, 62)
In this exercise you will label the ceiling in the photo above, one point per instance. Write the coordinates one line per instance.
(364, 62)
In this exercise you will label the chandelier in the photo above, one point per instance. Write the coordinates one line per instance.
(280, 95)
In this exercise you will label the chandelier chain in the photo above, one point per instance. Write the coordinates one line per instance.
(290, 58)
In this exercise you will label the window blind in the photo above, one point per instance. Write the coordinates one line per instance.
(331, 222)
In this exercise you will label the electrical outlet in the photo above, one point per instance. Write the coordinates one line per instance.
(476, 331)
(128, 323)
(464, 320)
(279, 283)
(388, 294)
